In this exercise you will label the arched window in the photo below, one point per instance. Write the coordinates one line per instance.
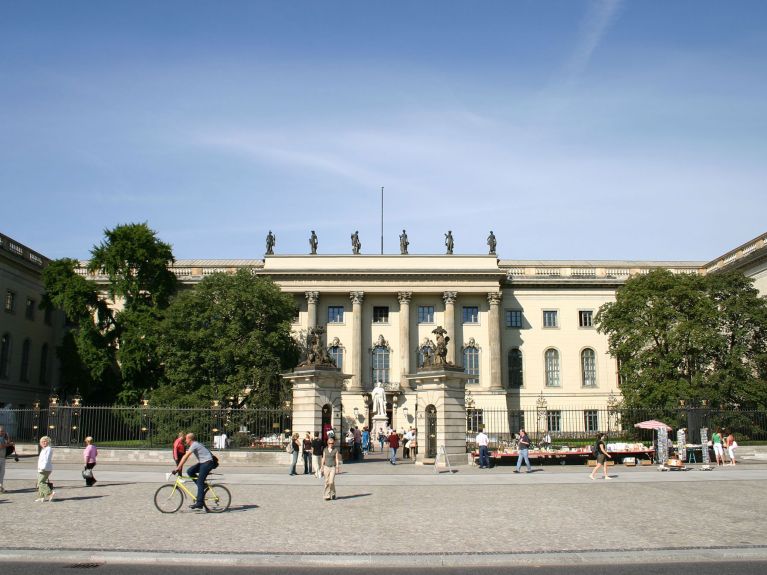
(426, 352)
(25, 349)
(380, 361)
(336, 353)
(5, 354)
(515, 368)
(551, 358)
(589, 368)
(471, 361)
(44, 365)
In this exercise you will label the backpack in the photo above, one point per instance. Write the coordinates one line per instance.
(215, 461)
(289, 447)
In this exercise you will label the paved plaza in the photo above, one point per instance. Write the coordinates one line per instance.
(403, 510)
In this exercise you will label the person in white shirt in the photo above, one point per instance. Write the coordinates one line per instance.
(484, 457)
(44, 469)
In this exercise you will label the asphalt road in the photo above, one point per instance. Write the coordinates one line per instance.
(710, 568)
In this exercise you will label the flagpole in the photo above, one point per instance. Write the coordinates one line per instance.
(382, 212)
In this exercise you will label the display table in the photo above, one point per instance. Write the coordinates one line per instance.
(575, 455)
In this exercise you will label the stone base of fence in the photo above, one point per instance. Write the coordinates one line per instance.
(159, 456)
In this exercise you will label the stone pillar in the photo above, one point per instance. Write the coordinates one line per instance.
(404, 334)
(449, 323)
(313, 387)
(356, 380)
(312, 298)
(494, 334)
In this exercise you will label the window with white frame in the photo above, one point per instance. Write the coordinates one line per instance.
(471, 362)
(550, 318)
(335, 314)
(381, 314)
(591, 420)
(474, 420)
(551, 359)
(589, 367)
(425, 314)
(10, 301)
(586, 318)
(29, 309)
(554, 420)
(515, 368)
(336, 353)
(5, 354)
(380, 363)
(424, 351)
(514, 318)
(470, 314)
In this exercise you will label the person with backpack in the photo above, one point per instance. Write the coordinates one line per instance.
(206, 463)
(600, 451)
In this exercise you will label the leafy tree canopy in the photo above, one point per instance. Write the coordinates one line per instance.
(228, 337)
(688, 337)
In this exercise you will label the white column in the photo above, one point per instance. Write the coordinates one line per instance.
(312, 298)
(450, 297)
(404, 334)
(494, 335)
(356, 381)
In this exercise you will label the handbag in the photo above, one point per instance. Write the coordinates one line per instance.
(87, 473)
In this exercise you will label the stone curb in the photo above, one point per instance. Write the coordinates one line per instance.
(293, 560)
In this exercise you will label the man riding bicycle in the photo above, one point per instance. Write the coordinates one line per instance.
(200, 470)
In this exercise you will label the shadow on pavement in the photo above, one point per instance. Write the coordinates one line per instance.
(79, 498)
(354, 496)
(242, 508)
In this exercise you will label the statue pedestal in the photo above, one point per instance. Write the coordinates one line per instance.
(441, 418)
(380, 423)
(315, 387)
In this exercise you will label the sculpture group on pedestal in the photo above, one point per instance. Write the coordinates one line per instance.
(439, 357)
(316, 354)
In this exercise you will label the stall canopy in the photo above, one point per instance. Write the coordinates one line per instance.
(652, 424)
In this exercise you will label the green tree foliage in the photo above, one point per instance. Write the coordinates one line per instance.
(688, 337)
(115, 347)
(229, 334)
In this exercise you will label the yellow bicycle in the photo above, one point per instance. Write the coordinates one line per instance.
(169, 498)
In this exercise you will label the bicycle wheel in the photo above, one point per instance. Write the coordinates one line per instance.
(167, 499)
(217, 498)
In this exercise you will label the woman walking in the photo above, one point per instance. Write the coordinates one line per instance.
(44, 469)
(600, 450)
(732, 445)
(307, 453)
(89, 457)
(294, 449)
(331, 464)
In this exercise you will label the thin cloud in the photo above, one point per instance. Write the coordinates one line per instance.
(601, 15)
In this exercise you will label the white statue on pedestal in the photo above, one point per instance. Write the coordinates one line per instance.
(379, 400)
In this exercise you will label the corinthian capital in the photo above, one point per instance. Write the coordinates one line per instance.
(449, 296)
(357, 296)
(313, 296)
(404, 296)
(494, 297)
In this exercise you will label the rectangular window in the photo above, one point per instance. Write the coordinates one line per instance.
(550, 318)
(474, 420)
(586, 318)
(29, 310)
(470, 314)
(554, 420)
(591, 420)
(425, 314)
(513, 318)
(10, 301)
(335, 314)
(381, 314)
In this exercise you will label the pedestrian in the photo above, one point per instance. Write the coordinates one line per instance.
(10, 446)
(406, 437)
(523, 453)
(716, 439)
(89, 458)
(307, 451)
(365, 441)
(600, 450)
(414, 445)
(3, 445)
(381, 438)
(179, 449)
(357, 444)
(393, 446)
(317, 454)
(732, 445)
(200, 470)
(484, 456)
(293, 449)
(44, 469)
(331, 464)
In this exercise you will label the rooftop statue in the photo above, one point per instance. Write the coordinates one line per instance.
(356, 245)
(492, 243)
(449, 243)
(313, 243)
(403, 243)
(271, 240)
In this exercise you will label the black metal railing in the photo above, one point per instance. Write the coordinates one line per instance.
(148, 427)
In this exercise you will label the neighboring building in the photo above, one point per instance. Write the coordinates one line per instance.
(750, 259)
(28, 335)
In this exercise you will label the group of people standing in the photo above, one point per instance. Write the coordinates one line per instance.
(321, 458)
(720, 443)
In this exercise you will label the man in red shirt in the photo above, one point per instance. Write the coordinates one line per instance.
(179, 448)
(393, 446)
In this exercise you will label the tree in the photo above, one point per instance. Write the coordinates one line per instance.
(117, 345)
(687, 337)
(228, 337)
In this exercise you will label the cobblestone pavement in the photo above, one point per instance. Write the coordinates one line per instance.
(378, 511)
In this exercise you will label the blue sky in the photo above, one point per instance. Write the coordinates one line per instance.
(573, 129)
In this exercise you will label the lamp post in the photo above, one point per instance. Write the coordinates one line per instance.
(146, 421)
(53, 416)
(612, 407)
(77, 401)
(36, 420)
(215, 413)
(541, 407)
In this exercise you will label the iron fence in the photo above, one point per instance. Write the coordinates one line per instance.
(148, 427)
(579, 426)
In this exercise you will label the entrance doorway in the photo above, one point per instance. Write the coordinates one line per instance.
(431, 432)
(327, 421)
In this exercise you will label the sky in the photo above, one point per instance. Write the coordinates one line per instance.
(574, 129)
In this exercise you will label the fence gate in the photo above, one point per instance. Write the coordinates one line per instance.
(431, 432)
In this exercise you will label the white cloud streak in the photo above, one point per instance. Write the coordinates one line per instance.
(600, 16)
